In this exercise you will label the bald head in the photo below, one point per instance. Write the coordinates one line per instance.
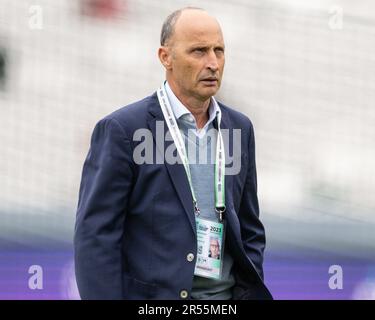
(184, 17)
(192, 52)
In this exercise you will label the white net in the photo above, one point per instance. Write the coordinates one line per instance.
(302, 70)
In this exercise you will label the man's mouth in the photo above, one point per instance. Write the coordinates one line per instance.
(210, 80)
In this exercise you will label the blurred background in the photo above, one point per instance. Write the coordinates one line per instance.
(303, 71)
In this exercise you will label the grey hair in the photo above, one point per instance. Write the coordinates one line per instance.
(169, 23)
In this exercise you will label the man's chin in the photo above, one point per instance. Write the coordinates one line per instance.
(209, 91)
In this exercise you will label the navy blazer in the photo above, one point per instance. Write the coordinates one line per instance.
(135, 223)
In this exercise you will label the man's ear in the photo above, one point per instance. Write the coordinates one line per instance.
(165, 57)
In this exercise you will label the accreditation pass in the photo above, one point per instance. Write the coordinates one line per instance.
(210, 237)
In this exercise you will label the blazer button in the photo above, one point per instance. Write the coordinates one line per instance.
(190, 257)
(183, 294)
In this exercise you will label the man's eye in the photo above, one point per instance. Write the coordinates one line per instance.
(199, 50)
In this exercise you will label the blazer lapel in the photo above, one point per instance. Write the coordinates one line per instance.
(231, 216)
(233, 223)
(176, 171)
(228, 147)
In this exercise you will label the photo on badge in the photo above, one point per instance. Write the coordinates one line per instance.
(214, 249)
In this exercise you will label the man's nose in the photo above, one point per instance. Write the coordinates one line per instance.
(212, 62)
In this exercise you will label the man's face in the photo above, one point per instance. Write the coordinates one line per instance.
(214, 248)
(196, 55)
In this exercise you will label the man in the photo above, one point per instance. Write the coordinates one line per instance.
(214, 249)
(141, 226)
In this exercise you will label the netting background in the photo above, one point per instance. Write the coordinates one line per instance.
(304, 78)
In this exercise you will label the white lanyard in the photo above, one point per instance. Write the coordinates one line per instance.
(180, 145)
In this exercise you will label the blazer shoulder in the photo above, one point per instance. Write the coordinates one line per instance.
(132, 116)
(131, 111)
(238, 119)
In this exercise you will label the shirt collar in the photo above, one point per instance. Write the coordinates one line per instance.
(180, 110)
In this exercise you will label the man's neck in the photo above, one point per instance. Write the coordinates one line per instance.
(198, 108)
